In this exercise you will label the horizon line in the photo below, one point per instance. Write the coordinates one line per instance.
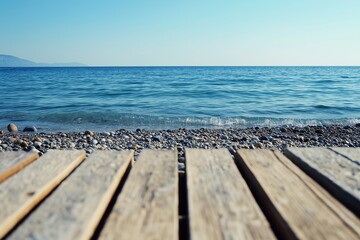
(84, 66)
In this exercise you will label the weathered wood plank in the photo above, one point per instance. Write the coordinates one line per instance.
(77, 206)
(337, 174)
(343, 213)
(147, 207)
(220, 203)
(12, 162)
(22, 192)
(351, 153)
(292, 201)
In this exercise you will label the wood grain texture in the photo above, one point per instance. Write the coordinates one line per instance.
(350, 153)
(12, 162)
(78, 204)
(340, 210)
(147, 207)
(22, 192)
(220, 203)
(338, 175)
(301, 211)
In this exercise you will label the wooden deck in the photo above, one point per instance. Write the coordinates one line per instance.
(306, 193)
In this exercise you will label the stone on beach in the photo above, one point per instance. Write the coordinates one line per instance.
(30, 129)
(157, 138)
(232, 139)
(24, 144)
(12, 127)
(88, 132)
(181, 166)
(259, 145)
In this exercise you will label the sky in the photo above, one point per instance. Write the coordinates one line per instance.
(190, 33)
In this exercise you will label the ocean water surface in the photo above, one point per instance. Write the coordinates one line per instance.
(110, 98)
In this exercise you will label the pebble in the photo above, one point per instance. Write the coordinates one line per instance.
(37, 144)
(181, 166)
(12, 127)
(130, 146)
(88, 132)
(24, 144)
(1, 132)
(264, 138)
(234, 138)
(224, 137)
(30, 129)
(157, 138)
(320, 131)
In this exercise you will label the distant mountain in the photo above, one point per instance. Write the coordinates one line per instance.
(12, 61)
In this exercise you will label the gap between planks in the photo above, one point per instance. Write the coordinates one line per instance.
(296, 206)
(337, 174)
(23, 191)
(147, 207)
(220, 203)
(80, 200)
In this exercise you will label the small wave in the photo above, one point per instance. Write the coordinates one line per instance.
(322, 106)
(349, 109)
(113, 121)
(326, 81)
(103, 122)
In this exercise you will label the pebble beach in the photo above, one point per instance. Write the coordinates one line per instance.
(232, 138)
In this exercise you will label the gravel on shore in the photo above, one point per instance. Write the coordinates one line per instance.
(180, 139)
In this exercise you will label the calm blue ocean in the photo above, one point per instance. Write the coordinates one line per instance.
(109, 98)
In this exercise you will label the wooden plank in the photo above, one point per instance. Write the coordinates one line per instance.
(295, 208)
(22, 192)
(220, 203)
(12, 162)
(351, 153)
(147, 207)
(342, 212)
(80, 200)
(335, 173)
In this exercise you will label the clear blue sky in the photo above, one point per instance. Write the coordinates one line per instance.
(156, 32)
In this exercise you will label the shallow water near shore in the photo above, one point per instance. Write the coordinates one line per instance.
(110, 98)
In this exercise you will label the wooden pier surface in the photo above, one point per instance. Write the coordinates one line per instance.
(305, 193)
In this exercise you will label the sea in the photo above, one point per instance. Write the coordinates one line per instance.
(68, 99)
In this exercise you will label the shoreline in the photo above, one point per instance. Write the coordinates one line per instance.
(279, 138)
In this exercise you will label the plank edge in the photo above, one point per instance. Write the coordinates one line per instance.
(346, 198)
(19, 166)
(278, 224)
(28, 206)
(90, 229)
